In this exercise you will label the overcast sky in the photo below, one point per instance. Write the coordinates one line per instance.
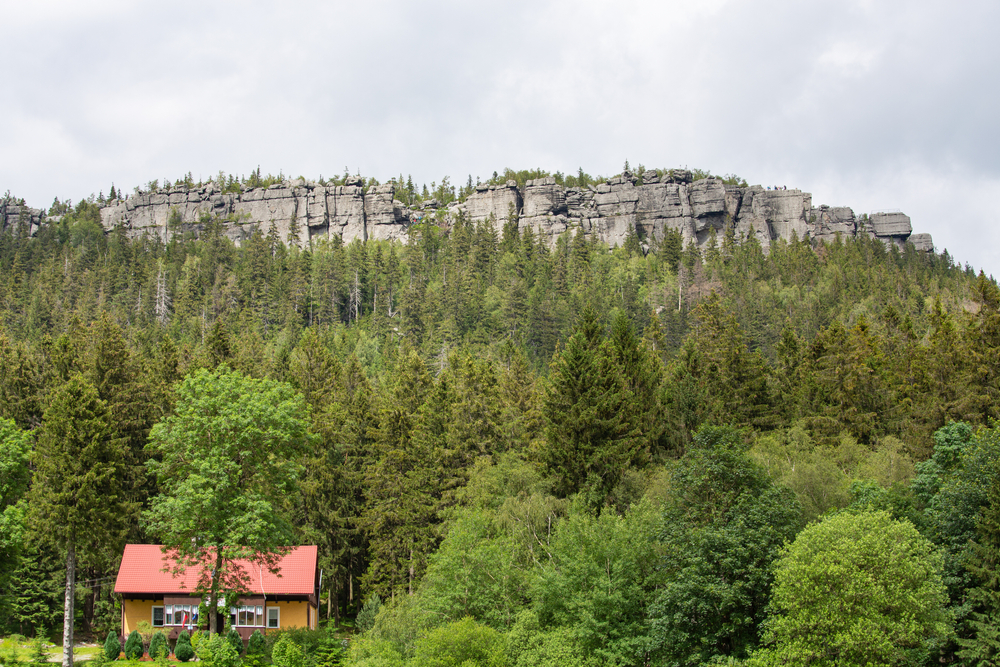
(867, 104)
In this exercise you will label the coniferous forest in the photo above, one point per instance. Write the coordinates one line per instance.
(511, 454)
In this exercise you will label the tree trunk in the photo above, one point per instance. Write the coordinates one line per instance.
(213, 598)
(67, 660)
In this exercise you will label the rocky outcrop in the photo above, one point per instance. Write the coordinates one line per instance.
(652, 206)
(19, 218)
(302, 208)
(649, 205)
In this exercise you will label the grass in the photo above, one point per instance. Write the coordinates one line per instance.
(24, 650)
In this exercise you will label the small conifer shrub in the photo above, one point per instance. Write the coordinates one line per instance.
(183, 650)
(157, 644)
(112, 646)
(133, 646)
(235, 640)
(256, 645)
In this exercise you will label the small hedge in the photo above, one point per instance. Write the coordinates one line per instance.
(157, 644)
(133, 646)
(112, 646)
(183, 650)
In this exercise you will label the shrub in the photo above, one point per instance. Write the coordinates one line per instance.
(366, 617)
(183, 650)
(157, 644)
(216, 651)
(287, 653)
(112, 646)
(235, 640)
(256, 645)
(133, 646)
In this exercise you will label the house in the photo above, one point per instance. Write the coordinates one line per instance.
(150, 592)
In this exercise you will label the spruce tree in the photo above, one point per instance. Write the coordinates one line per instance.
(77, 497)
(983, 648)
(590, 439)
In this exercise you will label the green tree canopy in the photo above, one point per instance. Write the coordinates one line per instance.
(857, 589)
(225, 462)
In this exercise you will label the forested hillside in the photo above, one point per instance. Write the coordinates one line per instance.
(555, 456)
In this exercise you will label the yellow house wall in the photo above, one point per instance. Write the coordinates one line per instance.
(294, 615)
(134, 611)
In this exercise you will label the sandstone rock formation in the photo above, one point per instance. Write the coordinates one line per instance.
(649, 205)
(13, 215)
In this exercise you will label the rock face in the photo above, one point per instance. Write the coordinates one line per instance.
(310, 210)
(650, 205)
(13, 215)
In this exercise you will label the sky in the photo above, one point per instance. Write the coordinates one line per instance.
(868, 104)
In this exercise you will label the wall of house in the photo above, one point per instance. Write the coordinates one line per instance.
(134, 611)
(295, 615)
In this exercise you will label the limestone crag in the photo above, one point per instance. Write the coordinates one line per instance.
(650, 206)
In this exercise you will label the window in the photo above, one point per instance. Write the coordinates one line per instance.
(157, 617)
(168, 615)
(273, 616)
(248, 615)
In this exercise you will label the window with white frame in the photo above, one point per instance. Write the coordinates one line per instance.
(180, 614)
(247, 616)
(157, 617)
(273, 617)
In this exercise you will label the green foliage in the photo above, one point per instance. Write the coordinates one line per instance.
(234, 639)
(369, 612)
(112, 646)
(217, 651)
(286, 653)
(983, 646)
(157, 644)
(723, 526)
(598, 581)
(243, 435)
(857, 589)
(256, 645)
(183, 650)
(133, 646)
(475, 573)
(591, 436)
(39, 650)
(462, 643)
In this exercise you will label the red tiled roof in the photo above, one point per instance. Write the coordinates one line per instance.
(142, 572)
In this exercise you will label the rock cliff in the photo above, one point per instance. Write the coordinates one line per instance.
(648, 205)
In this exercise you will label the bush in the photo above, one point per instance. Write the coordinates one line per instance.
(218, 652)
(133, 646)
(183, 650)
(158, 643)
(366, 617)
(287, 653)
(112, 646)
(256, 645)
(235, 640)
